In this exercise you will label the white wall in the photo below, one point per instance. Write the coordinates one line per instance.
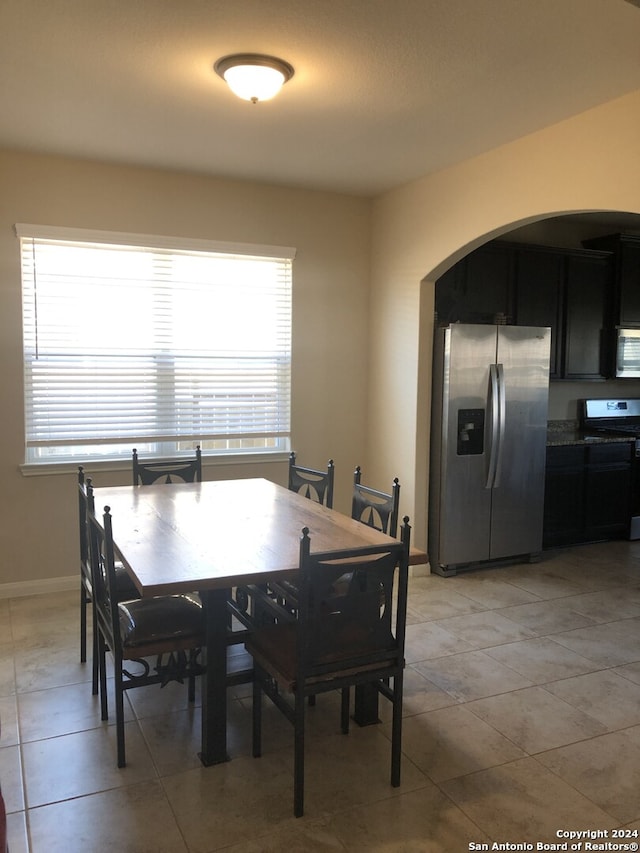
(586, 163)
(38, 514)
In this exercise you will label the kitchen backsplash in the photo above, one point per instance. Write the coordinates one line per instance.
(564, 396)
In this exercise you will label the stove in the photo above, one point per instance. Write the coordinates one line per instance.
(618, 417)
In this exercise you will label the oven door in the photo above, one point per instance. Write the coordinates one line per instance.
(628, 354)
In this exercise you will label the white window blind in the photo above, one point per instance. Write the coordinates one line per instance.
(155, 344)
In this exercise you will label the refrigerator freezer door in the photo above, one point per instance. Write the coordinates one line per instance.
(460, 502)
(518, 497)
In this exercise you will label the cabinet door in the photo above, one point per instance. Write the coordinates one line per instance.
(489, 277)
(629, 282)
(449, 299)
(478, 289)
(587, 294)
(538, 298)
(564, 496)
(608, 491)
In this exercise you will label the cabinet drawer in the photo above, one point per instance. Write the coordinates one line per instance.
(566, 456)
(601, 454)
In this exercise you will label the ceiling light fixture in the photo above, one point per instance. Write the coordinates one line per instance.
(252, 76)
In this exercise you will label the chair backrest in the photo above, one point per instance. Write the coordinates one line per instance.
(103, 578)
(311, 482)
(349, 615)
(85, 506)
(374, 508)
(167, 470)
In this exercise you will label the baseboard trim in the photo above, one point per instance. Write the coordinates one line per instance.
(41, 587)
(72, 582)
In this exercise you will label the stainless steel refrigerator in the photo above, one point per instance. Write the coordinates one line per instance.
(488, 445)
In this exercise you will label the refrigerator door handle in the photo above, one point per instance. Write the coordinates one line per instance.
(494, 446)
(502, 421)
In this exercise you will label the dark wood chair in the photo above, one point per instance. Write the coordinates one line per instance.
(316, 485)
(177, 470)
(344, 634)
(370, 506)
(85, 572)
(168, 471)
(124, 585)
(375, 508)
(312, 482)
(152, 640)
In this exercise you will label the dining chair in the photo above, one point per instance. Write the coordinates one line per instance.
(341, 636)
(125, 587)
(370, 506)
(375, 508)
(85, 570)
(179, 470)
(169, 471)
(313, 483)
(152, 640)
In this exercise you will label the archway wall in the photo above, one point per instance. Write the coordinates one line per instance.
(586, 163)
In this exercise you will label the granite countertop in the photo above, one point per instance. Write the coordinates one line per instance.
(569, 432)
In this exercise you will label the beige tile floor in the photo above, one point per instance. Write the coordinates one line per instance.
(522, 719)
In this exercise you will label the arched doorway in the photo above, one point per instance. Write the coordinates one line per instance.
(565, 231)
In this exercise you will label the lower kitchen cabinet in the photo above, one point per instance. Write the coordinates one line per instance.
(587, 493)
(607, 506)
(564, 494)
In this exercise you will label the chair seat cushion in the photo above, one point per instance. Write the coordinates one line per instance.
(274, 649)
(146, 621)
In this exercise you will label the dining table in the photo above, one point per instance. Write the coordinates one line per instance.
(215, 536)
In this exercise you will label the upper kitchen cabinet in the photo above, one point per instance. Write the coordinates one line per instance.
(569, 291)
(479, 288)
(539, 297)
(626, 276)
(587, 306)
(565, 289)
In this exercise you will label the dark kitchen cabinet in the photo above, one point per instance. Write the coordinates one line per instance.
(564, 496)
(625, 249)
(540, 297)
(587, 294)
(567, 290)
(629, 281)
(587, 493)
(608, 491)
(478, 289)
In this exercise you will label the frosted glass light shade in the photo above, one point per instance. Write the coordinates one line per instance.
(254, 77)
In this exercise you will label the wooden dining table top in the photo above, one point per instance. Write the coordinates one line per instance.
(218, 534)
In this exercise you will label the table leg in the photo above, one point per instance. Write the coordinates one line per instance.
(214, 684)
(365, 711)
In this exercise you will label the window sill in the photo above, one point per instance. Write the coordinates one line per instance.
(40, 469)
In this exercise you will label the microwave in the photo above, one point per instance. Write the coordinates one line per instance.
(628, 353)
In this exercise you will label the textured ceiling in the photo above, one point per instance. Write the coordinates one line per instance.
(384, 90)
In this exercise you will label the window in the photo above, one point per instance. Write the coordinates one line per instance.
(132, 341)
